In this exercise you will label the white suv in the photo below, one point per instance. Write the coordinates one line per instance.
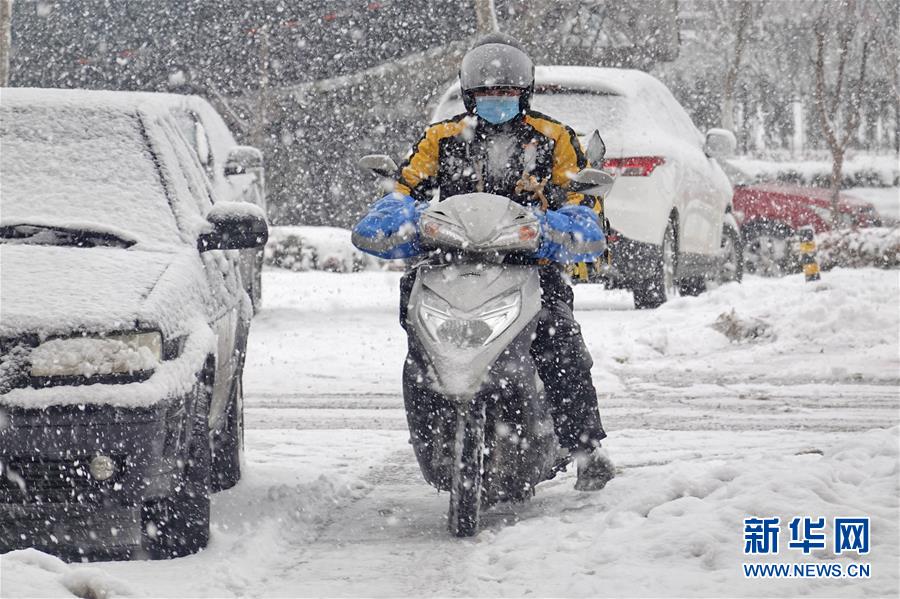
(669, 211)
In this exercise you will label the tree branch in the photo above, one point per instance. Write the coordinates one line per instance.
(821, 91)
(845, 32)
(855, 103)
(739, 43)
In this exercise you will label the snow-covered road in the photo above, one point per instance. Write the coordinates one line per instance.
(798, 419)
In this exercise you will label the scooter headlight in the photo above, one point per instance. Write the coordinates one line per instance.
(444, 326)
(441, 233)
(519, 237)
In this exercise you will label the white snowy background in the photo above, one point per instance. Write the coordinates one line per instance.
(773, 398)
(800, 421)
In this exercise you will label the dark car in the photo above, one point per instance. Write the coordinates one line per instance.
(772, 212)
(123, 328)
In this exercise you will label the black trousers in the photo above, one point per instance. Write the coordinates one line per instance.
(562, 360)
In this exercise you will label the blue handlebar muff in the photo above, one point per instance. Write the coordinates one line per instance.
(390, 229)
(571, 234)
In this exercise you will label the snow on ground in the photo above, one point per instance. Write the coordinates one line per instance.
(795, 415)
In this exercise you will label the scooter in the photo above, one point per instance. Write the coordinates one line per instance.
(479, 422)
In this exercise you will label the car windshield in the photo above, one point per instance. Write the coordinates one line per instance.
(81, 176)
(583, 110)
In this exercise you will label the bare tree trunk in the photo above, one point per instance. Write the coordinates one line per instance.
(837, 173)
(486, 17)
(839, 118)
(260, 126)
(5, 40)
(727, 115)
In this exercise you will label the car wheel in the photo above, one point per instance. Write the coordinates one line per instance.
(228, 445)
(767, 249)
(178, 525)
(731, 256)
(652, 291)
(691, 286)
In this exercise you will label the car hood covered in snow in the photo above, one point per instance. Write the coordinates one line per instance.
(53, 290)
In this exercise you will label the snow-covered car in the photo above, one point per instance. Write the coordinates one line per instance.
(771, 213)
(123, 327)
(670, 208)
(236, 172)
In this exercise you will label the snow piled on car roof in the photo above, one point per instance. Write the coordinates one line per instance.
(623, 82)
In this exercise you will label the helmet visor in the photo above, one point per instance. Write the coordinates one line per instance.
(495, 65)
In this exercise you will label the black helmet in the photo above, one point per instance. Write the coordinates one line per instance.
(496, 60)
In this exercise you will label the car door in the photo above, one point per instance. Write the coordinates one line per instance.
(228, 305)
(212, 141)
(701, 197)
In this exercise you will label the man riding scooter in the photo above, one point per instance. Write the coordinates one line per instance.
(500, 146)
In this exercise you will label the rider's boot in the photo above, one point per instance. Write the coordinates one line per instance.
(595, 469)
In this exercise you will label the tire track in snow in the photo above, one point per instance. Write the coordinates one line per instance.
(381, 544)
(644, 404)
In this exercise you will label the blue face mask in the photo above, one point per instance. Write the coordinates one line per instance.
(497, 109)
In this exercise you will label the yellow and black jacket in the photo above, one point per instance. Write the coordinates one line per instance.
(528, 159)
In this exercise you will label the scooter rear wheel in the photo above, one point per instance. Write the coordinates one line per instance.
(465, 488)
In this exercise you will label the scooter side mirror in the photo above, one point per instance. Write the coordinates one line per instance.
(592, 182)
(596, 149)
(380, 164)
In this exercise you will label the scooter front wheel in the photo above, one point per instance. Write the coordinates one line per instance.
(465, 487)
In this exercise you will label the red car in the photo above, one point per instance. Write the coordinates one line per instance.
(770, 213)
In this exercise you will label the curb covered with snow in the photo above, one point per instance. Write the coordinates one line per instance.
(875, 247)
(32, 573)
(862, 170)
(302, 248)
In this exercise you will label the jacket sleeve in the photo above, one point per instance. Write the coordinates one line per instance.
(421, 166)
(568, 159)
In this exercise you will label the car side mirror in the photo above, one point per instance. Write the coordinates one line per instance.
(242, 160)
(235, 226)
(592, 182)
(596, 149)
(380, 164)
(720, 143)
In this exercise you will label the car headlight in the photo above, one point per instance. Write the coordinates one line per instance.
(446, 327)
(124, 353)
